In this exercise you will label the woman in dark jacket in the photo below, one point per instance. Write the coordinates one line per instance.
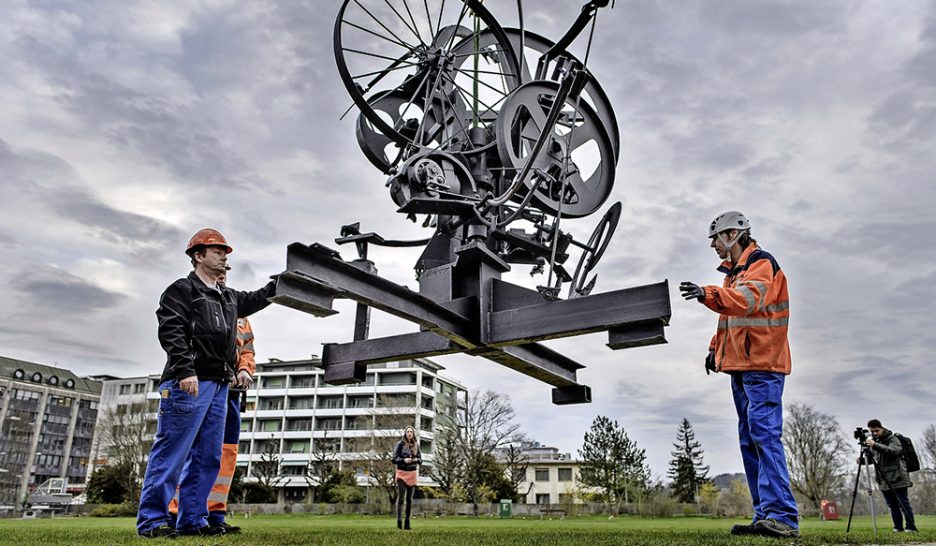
(407, 458)
(891, 473)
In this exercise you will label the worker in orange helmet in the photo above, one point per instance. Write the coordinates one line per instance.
(243, 379)
(197, 319)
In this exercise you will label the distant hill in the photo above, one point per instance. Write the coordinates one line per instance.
(723, 481)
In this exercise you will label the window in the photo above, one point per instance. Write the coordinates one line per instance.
(330, 402)
(542, 475)
(565, 474)
(328, 423)
(427, 381)
(298, 424)
(245, 426)
(297, 446)
(139, 387)
(301, 402)
(272, 425)
(542, 498)
(427, 402)
(244, 447)
(406, 378)
(293, 470)
(426, 424)
(124, 389)
(271, 403)
(360, 401)
(278, 382)
(302, 382)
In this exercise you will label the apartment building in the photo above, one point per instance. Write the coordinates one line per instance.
(123, 397)
(47, 420)
(293, 412)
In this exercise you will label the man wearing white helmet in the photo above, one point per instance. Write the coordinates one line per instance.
(751, 346)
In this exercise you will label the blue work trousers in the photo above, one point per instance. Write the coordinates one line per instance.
(189, 429)
(757, 398)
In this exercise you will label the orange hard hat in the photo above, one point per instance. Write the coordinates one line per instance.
(207, 237)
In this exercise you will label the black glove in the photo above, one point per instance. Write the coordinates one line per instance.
(692, 291)
(710, 363)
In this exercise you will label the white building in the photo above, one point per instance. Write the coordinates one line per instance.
(551, 477)
(292, 407)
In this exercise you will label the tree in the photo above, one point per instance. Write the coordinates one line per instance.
(108, 484)
(322, 462)
(126, 439)
(816, 451)
(391, 417)
(686, 468)
(447, 466)
(928, 448)
(486, 425)
(516, 465)
(612, 462)
(267, 469)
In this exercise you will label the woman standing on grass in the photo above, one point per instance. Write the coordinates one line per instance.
(407, 458)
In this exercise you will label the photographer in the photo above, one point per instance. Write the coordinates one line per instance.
(891, 474)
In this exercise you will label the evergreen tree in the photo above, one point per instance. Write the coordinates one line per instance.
(686, 468)
(612, 462)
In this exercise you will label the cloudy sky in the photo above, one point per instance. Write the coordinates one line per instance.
(125, 126)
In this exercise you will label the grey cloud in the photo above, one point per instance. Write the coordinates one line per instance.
(54, 182)
(6, 239)
(57, 290)
(162, 128)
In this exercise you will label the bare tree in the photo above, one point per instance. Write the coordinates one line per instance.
(447, 465)
(486, 425)
(928, 448)
(267, 469)
(816, 452)
(516, 464)
(322, 462)
(391, 417)
(126, 439)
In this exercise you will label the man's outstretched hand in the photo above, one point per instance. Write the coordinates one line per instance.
(691, 291)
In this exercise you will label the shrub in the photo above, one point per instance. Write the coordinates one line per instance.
(123, 510)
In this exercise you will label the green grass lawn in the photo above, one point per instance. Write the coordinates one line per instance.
(463, 531)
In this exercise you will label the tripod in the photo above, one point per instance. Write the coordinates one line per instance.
(865, 459)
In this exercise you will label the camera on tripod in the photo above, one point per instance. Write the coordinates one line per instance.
(861, 434)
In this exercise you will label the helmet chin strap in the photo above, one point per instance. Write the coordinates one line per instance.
(729, 243)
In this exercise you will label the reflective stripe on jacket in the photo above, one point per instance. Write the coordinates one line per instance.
(754, 308)
(245, 347)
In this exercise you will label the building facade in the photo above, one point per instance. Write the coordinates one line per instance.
(292, 412)
(47, 420)
(551, 477)
(124, 401)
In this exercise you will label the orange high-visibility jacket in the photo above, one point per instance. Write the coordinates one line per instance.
(754, 308)
(245, 347)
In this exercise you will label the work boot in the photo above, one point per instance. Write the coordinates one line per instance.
(228, 528)
(205, 531)
(773, 528)
(163, 531)
(399, 524)
(741, 529)
(406, 526)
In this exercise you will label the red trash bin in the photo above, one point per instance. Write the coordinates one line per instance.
(829, 510)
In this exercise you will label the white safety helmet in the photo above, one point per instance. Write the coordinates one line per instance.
(728, 220)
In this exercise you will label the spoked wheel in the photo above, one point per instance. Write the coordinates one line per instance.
(595, 249)
(594, 95)
(428, 57)
(576, 165)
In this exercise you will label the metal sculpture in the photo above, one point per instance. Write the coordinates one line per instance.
(475, 141)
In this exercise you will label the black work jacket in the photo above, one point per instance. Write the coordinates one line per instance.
(401, 452)
(890, 468)
(198, 327)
